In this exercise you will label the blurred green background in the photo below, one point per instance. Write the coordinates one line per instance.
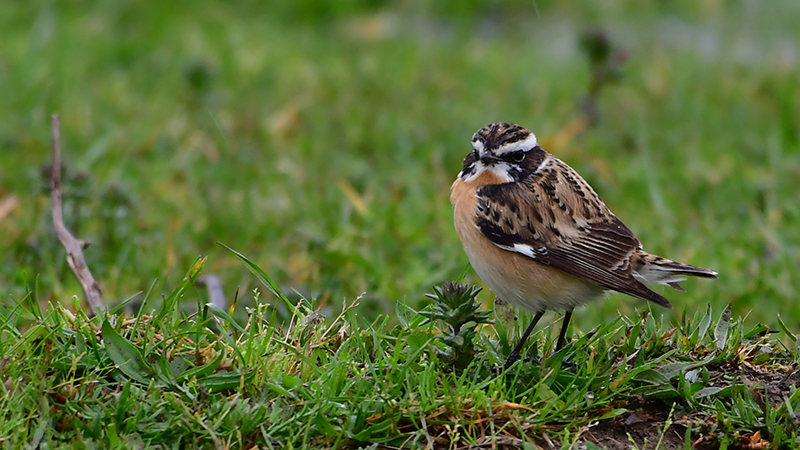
(320, 139)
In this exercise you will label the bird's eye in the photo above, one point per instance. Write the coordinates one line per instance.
(518, 156)
(475, 155)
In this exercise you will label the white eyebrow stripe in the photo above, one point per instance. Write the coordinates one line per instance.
(525, 144)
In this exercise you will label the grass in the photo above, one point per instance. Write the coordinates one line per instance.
(320, 139)
(166, 379)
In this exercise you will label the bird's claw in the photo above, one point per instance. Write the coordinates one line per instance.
(512, 358)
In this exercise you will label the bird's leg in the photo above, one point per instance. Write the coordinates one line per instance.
(514, 356)
(562, 337)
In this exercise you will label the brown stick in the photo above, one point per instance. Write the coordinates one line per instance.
(74, 247)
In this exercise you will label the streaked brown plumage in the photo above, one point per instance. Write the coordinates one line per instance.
(540, 237)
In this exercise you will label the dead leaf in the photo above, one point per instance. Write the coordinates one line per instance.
(286, 122)
(355, 198)
(371, 28)
(511, 406)
(754, 442)
(8, 205)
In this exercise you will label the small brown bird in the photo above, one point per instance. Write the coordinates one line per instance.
(539, 236)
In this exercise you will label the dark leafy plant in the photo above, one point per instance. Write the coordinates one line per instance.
(458, 315)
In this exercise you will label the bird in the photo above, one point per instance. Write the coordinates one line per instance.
(541, 238)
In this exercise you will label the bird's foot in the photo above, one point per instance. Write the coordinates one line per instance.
(568, 365)
(532, 360)
(512, 358)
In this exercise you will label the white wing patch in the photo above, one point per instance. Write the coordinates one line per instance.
(524, 249)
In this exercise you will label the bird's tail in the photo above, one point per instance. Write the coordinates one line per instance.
(652, 269)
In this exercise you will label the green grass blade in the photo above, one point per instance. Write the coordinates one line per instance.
(202, 371)
(170, 303)
(219, 312)
(721, 330)
(125, 355)
(118, 308)
(262, 277)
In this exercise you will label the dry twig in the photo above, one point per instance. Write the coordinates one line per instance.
(74, 247)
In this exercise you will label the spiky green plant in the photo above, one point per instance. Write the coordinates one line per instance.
(458, 315)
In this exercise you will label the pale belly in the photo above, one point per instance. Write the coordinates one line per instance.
(514, 277)
(530, 285)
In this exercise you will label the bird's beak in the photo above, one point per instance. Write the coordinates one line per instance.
(488, 159)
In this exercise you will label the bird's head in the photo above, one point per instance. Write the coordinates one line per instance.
(506, 150)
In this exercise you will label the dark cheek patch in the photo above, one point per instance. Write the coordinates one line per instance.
(468, 171)
(469, 164)
(533, 159)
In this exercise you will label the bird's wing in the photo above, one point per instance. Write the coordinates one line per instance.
(556, 218)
